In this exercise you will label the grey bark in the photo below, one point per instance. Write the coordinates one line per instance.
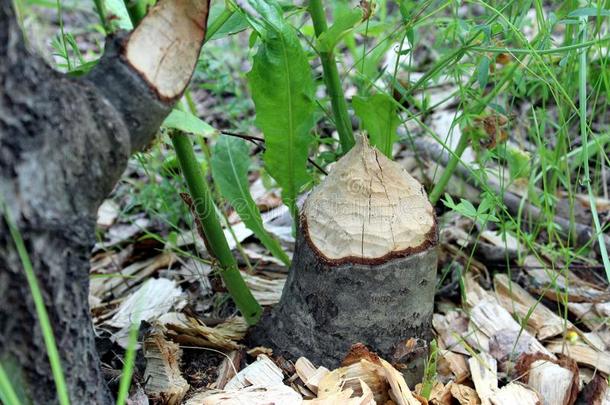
(325, 309)
(63, 145)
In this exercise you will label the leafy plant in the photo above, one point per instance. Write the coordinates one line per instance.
(485, 212)
(430, 371)
(282, 90)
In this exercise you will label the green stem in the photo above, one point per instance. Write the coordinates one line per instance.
(332, 80)
(136, 10)
(204, 206)
(128, 367)
(584, 132)
(100, 8)
(215, 25)
(439, 188)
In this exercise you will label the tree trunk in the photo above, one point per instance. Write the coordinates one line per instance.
(63, 145)
(364, 267)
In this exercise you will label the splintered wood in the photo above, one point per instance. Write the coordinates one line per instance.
(164, 382)
(190, 331)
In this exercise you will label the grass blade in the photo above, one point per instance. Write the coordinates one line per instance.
(8, 395)
(41, 311)
(230, 164)
(584, 132)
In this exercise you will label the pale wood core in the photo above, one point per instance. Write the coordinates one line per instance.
(368, 207)
(165, 47)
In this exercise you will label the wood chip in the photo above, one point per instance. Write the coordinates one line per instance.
(556, 381)
(120, 281)
(154, 298)
(262, 373)
(548, 281)
(583, 354)
(505, 335)
(464, 394)
(349, 377)
(450, 328)
(107, 213)
(192, 332)
(454, 363)
(400, 392)
(266, 291)
(164, 381)
(544, 322)
(277, 394)
(484, 372)
(515, 393)
(347, 397)
(309, 374)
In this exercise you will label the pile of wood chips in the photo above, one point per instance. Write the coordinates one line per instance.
(484, 357)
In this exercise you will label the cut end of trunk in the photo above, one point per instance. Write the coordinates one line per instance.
(165, 46)
(368, 210)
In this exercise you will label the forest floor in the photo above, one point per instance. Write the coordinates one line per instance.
(522, 310)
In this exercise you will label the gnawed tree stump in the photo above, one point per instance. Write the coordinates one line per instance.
(364, 267)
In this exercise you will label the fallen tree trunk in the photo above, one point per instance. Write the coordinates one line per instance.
(364, 267)
(64, 143)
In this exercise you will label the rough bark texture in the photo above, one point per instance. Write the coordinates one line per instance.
(63, 145)
(325, 309)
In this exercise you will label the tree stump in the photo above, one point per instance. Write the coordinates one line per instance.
(364, 267)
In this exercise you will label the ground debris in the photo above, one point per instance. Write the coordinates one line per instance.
(191, 331)
(164, 381)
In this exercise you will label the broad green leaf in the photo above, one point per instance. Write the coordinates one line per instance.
(589, 12)
(483, 72)
(230, 163)
(187, 122)
(345, 20)
(380, 120)
(282, 89)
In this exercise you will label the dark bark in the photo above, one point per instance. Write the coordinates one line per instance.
(325, 308)
(63, 145)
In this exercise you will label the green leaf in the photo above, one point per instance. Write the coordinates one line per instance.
(589, 12)
(234, 24)
(187, 122)
(230, 162)
(117, 10)
(379, 118)
(282, 89)
(519, 165)
(483, 72)
(345, 21)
